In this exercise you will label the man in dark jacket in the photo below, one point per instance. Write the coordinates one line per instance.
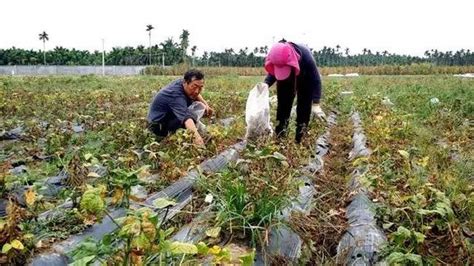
(293, 67)
(170, 111)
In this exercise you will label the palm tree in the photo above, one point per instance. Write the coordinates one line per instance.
(184, 43)
(346, 59)
(44, 37)
(193, 52)
(337, 55)
(149, 27)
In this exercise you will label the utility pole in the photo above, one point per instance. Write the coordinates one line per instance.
(149, 41)
(149, 28)
(103, 57)
(163, 59)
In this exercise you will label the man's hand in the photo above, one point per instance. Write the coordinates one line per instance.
(316, 111)
(209, 110)
(189, 124)
(198, 139)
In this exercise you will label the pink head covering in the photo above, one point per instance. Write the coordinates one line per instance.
(281, 58)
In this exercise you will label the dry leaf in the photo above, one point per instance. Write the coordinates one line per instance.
(30, 196)
(135, 198)
(89, 220)
(213, 232)
(93, 174)
(404, 153)
(118, 195)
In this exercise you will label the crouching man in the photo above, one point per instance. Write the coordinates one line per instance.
(179, 105)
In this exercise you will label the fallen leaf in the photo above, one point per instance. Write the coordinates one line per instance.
(404, 153)
(424, 161)
(161, 203)
(213, 232)
(214, 250)
(87, 156)
(16, 244)
(135, 198)
(183, 248)
(387, 225)
(118, 195)
(93, 174)
(39, 244)
(30, 197)
(89, 220)
(6, 248)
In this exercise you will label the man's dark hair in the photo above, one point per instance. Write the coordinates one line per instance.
(193, 73)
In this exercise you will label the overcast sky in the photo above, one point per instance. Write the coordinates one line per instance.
(401, 26)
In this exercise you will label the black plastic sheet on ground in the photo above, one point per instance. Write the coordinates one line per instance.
(3, 207)
(15, 133)
(194, 231)
(54, 184)
(361, 245)
(323, 146)
(363, 240)
(284, 242)
(181, 191)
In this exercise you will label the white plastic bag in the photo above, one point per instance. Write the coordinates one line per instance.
(257, 112)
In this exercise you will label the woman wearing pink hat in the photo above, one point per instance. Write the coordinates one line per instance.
(293, 67)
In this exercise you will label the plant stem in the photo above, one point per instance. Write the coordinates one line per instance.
(111, 218)
(164, 218)
(127, 252)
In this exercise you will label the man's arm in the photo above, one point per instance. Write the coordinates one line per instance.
(201, 99)
(209, 110)
(191, 126)
(180, 109)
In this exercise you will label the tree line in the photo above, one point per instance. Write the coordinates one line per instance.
(170, 52)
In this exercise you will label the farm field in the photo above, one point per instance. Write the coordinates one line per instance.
(76, 160)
